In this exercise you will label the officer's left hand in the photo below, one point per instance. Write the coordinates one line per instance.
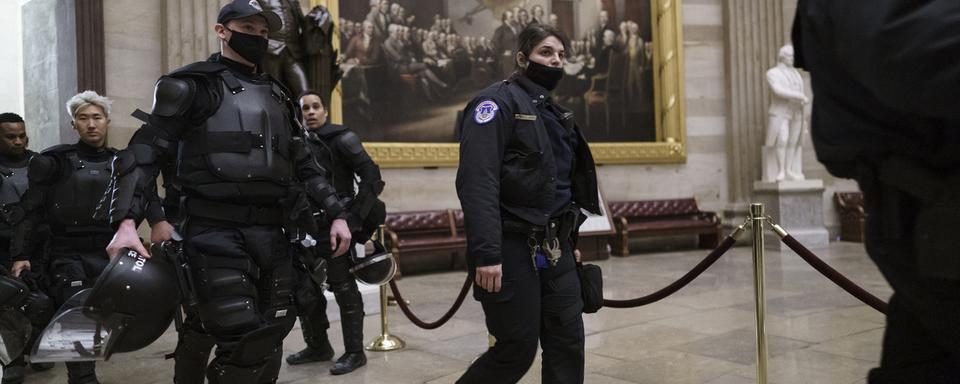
(576, 254)
(340, 237)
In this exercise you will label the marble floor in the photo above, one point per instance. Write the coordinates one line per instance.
(703, 334)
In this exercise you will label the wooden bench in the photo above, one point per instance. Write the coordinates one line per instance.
(852, 218)
(647, 218)
(425, 241)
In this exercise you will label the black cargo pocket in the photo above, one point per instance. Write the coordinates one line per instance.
(505, 294)
(522, 177)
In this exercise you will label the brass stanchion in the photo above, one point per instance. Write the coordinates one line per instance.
(384, 342)
(757, 217)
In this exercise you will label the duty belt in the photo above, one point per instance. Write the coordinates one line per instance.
(235, 213)
(548, 238)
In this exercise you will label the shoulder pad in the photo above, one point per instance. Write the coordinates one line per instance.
(200, 67)
(60, 148)
(172, 96)
(42, 168)
(350, 143)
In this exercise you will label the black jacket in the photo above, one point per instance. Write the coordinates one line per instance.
(507, 166)
(340, 151)
(884, 77)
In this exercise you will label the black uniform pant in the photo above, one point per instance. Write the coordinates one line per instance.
(244, 277)
(313, 313)
(531, 307)
(5, 260)
(921, 343)
(71, 270)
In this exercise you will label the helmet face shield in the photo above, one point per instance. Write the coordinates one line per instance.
(376, 269)
(73, 335)
(14, 335)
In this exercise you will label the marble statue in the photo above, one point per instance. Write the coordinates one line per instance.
(782, 150)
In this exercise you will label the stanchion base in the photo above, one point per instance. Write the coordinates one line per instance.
(392, 301)
(386, 343)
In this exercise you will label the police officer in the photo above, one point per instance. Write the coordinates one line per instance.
(525, 173)
(885, 114)
(339, 151)
(14, 157)
(66, 183)
(243, 169)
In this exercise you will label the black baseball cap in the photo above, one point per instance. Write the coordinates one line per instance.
(238, 9)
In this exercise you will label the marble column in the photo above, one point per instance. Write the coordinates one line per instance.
(49, 70)
(188, 31)
(756, 29)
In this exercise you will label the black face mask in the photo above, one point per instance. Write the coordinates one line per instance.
(250, 47)
(547, 77)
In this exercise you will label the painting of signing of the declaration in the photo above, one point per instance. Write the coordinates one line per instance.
(409, 66)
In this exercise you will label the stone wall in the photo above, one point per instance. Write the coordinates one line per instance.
(49, 70)
(11, 58)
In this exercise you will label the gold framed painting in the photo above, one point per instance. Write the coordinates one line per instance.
(410, 66)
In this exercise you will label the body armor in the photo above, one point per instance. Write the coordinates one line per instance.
(247, 139)
(75, 199)
(324, 149)
(12, 185)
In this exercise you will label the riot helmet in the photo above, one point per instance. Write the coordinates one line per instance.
(375, 269)
(130, 305)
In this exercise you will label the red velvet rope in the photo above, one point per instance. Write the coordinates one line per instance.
(714, 255)
(834, 276)
(443, 319)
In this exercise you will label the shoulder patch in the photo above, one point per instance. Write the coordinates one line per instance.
(485, 111)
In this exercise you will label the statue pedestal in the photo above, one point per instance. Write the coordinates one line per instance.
(798, 207)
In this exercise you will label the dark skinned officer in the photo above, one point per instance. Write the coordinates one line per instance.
(525, 173)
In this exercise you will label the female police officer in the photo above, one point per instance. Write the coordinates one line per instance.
(525, 173)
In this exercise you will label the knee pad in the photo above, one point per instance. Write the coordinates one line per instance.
(347, 293)
(229, 316)
(253, 359)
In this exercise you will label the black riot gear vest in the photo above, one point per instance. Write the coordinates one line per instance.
(74, 200)
(247, 139)
(325, 151)
(13, 183)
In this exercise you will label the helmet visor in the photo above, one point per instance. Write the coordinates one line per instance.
(72, 335)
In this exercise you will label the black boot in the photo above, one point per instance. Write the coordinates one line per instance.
(349, 362)
(15, 372)
(314, 326)
(310, 355)
(82, 373)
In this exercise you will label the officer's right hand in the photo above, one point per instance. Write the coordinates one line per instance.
(126, 237)
(19, 267)
(160, 232)
(340, 237)
(489, 277)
